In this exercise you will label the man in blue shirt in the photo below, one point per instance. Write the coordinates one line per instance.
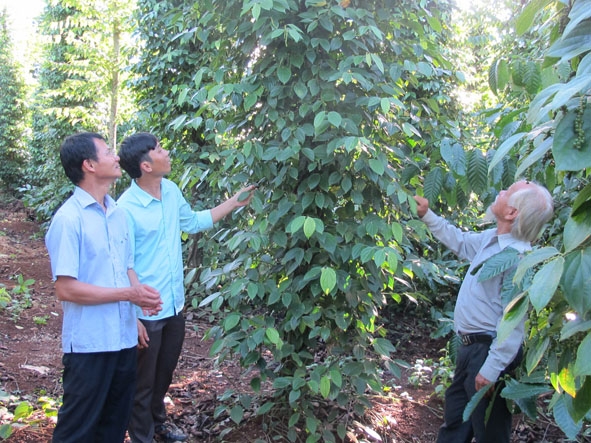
(91, 263)
(520, 212)
(157, 213)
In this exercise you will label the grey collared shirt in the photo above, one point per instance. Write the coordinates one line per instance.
(479, 307)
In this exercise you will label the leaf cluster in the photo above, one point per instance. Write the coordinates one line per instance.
(337, 108)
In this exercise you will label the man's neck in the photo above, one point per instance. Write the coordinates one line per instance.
(504, 228)
(97, 190)
(151, 185)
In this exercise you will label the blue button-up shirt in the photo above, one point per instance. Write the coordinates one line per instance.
(93, 247)
(155, 230)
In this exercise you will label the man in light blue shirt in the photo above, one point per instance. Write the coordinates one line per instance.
(521, 213)
(157, 214)
(91, 263)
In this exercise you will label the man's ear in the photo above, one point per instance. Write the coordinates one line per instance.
(87, 165)
(146, 166)
(512, 213)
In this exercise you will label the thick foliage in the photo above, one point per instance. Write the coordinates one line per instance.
(76, 90)
(13, 113)
(334, 109)
(552, 139)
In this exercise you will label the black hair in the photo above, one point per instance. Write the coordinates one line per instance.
(134, 150)
(74, 150)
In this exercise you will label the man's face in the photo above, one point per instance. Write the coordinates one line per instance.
(160, 160)
(501, 208)
(107, 163)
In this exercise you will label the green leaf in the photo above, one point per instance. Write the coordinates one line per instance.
(282, 382)
(514, 390)
(514, 314)
(576, 231)
(300, 89)
(583, 363)
(334, 118)
(328, 280)
(474, 401)
(294, 396)
(231, 321)
(566, 379)
(255, 385)
(498, 263)
(376, 166)
(538, 347)
(532, 77)
(409, 130)
(531, 259)
(564, 419)
(383, 346)
(5, 431)
(23, 410)
(293, 420)
(454, 156)
(567, 157)
(575, 88)
(296, 224)
(325, 386)
(433, 184)
(336, 377)
(236, 414)
(273, 335)
(526, 18)
(582, 201)
(545, 283)
(573, 327)
(477, 171)
(266, 407)
(582, 401)
(309, 227)
(576, 280)
(504, 149)
(535, 156)
(576, 42)
(581, 10)
(319, 119)
(498, 76)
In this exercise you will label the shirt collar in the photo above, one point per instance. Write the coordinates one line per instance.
(144, 198)
(85, 199)
(506, 240)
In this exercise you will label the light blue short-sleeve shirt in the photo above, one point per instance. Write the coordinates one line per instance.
(92, 246)
(155, 229)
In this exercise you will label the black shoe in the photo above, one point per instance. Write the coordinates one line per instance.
(168, 432)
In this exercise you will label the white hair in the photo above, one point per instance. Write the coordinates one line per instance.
(534, 209)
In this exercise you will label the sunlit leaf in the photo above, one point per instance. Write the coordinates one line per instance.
(514, 314)
(328, 280)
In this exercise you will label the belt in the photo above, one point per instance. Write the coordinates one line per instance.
(470, 339)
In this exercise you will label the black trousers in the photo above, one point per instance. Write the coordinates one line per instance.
(156, 365)
(454, 430)
(98, 396)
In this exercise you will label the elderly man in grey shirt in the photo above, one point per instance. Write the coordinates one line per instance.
(521, 211)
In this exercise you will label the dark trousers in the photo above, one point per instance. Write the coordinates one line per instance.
(156, 365)
(98, 396)
(454, 430)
